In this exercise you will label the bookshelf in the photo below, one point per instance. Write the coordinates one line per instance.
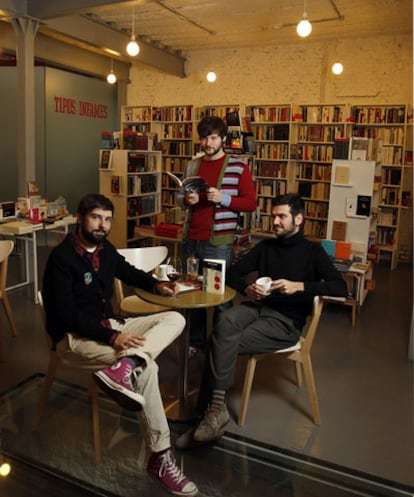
(133, 183)
(136, 119)
(390, 125)
(174, 128)
(314, 130)
(271, 133)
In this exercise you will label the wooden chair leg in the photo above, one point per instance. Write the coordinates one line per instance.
(298, 367)
(310, 382)
(47, 384)
(9, 314)
(93, 391)
(247, 386)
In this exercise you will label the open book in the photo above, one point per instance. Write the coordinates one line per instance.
(192, 184)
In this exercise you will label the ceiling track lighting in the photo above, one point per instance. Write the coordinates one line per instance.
(133, 47)
(111, 77)
(304, 27)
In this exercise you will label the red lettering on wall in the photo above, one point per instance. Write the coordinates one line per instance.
(86, 109)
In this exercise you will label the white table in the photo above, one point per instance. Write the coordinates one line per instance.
(28, 233)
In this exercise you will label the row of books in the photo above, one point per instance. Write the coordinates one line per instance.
(387, 217)
(137, 163)
(270, 188)
(271, 132)
(272, 169)
(317, 172)
(178, 130)
(390, 176)
(278, 151)
(141, 206)
(177, 147)
(385, 235)
(322, 153)
(316, 209)
(389, 136)
(377, 115)
(180, 113)
(390, 196)
(319, 113)
(318, 133)
(144, 183)
(316, 191)
(392, 155)
(270, 114)
(314, 228)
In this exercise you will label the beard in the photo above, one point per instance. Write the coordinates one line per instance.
(95, 236)
(286, 232)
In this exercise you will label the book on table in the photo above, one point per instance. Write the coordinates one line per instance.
(214, 275)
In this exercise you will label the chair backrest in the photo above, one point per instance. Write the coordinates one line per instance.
(145, 258)
(307, 338)
(6, 247)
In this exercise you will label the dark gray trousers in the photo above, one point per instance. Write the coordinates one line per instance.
(248, 328)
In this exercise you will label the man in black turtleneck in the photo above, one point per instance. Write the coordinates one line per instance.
(268, 321)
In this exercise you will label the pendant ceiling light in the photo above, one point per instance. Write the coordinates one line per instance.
(337, 68)
(304, 27)
(133, 47)
(111, 78)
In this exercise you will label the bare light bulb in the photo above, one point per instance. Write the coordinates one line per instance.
(337, 68)
(304, 27)
(211, 77)
(5, 469)
(111, 78)
(133, 47)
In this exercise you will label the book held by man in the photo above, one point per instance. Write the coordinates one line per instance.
(192, 184)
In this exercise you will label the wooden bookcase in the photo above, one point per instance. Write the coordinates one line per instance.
(389, 124)
(271, 133)
(314, 130)
(174, 127)
(133, 183)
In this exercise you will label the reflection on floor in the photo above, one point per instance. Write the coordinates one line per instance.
(236, 466)
(364, 383)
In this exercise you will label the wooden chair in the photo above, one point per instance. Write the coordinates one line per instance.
(54, 365)
(6, 247)
(147, 259)
(301, 354)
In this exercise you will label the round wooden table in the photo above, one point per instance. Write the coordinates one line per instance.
(185, 301)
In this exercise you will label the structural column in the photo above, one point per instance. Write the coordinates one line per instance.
(25, 29)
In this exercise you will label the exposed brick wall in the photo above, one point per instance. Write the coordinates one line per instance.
(377, 70)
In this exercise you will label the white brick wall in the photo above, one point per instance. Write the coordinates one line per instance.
(377, 70)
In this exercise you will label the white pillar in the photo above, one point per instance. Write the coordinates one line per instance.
(25, 29)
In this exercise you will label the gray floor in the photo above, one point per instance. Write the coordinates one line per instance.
(363, 376)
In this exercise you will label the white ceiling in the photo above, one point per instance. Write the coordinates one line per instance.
(172, 28)
(186, 25)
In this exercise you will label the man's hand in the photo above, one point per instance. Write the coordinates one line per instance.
(287, 287)
(167, 288)
(256, 292)
(126, 340)
(214, 195)
(192, 198)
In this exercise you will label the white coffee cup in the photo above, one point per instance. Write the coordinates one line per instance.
(265, 282)
(161, 271)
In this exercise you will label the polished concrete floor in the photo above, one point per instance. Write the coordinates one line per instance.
(365, 387)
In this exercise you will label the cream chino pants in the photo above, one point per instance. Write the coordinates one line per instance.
(160, 330)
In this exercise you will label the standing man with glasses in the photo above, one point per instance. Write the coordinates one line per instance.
(212, 216)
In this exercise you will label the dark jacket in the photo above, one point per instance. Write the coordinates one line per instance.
(77, 298)
(295, 259)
